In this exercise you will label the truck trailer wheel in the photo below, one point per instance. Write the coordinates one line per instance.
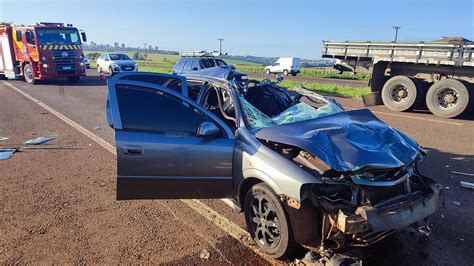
(401, 93)
(448, 98)
(28, 74)
(268, 222)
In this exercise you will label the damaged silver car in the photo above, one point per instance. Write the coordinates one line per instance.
(304, 171)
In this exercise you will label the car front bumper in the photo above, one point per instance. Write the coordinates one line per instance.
(394, 214)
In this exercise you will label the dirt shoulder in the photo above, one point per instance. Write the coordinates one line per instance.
(58, 203)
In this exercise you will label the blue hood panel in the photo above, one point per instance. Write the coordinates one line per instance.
(347, 141)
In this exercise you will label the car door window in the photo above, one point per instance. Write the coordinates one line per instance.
(168, 81)
(30, 37)
(144, 109)
(18, 36)
(195, 64)
(179, 65)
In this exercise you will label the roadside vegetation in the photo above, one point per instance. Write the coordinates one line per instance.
(163, 63)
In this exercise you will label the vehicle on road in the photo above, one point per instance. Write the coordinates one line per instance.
(304, 171)
(114, 63)
(412, 75)
(41, 51)
(86, 61)
(285, 66)
(201, 63)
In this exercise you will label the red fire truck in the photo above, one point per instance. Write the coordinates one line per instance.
(41, 51)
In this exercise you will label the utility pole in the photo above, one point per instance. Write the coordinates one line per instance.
(144, 45)
(220, 45)
(396, 28)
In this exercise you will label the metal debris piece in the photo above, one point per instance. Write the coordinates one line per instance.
(97, 128)
(4, 138)
(6, 154)
(424, 230)
(204, 254)
(456, 203)
(39, 140)
(310, 258)
(467, 184)
(461, 173)
(339, 259)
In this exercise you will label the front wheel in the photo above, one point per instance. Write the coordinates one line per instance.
(401, 93)
(267, 71)
(111, 71)
(448, 98)
(268, 222)
(28, 74)
(285, 72)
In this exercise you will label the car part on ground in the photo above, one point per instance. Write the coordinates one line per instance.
(4, 138)
(6, 154)
(304, 170)
(39, 140)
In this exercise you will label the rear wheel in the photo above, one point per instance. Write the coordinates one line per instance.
(285, 72)
(267, 221)
(28, 74)
(401, 93)
(267, 71)
(448, 98)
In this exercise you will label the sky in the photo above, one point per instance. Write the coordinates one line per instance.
(261, 28)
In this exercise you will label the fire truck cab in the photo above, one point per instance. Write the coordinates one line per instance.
(41, 51)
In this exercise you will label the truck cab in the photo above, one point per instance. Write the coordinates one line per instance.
(45, 51)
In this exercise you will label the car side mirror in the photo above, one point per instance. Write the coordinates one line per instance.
(208, 129)
(83, 36)
(195, 68)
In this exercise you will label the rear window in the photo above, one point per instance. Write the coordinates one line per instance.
(179, 65)
(221, 62)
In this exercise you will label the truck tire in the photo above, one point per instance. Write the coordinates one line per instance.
(28, 74)
(268, 222)
(401, 93)
(267, 72)
(448, 98)
(285, 72)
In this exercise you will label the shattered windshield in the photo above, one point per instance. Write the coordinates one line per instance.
(311, 106)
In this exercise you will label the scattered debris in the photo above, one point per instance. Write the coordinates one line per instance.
(39, 140)
(310, 258)
(456, 203)
(6, 154)
(4, 138)
(204, 254)
(461, 239)
(97, 128)
(447, 166)
(442, 216)
(425, 230)
(339, 259)
(446, 187)
(467, 184)
(461, 173)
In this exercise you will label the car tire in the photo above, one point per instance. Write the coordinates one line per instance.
(285, 72)
(401, 93)
(28, 74)
(268, 222)
(267, 72)
(111, 71)
(99, 69)
(449, 98)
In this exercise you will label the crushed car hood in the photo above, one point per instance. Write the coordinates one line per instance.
(347, 141)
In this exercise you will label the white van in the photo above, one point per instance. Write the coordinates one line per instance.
(285, 65)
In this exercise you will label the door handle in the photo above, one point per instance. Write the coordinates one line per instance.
(137, 150)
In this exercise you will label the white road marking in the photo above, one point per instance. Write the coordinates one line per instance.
(216, 218)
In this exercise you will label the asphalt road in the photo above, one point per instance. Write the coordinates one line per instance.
(180, 228)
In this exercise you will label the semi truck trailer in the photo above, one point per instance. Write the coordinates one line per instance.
(41, 51)
(438, 75)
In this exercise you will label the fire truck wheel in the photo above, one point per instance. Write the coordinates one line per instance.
(28, 74)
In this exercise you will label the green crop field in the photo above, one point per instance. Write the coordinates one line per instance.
(310, 72)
